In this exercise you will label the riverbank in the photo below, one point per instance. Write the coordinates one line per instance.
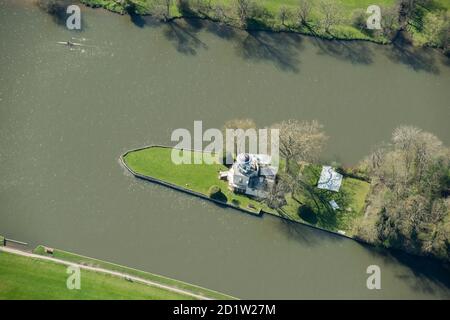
(340, 19)
(154, 164)
(41, 275)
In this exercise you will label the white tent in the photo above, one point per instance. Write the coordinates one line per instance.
(329, 179)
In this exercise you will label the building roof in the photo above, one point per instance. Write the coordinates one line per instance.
(268, 171)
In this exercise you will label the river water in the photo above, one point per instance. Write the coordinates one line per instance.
(67, 115)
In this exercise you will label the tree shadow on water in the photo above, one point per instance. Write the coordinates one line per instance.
(418, 59)
(424, 274)
(184, 38)
(355, 52)
(281, 49)
(138, 20)
(304, 234)
(56, 9)
(222, 31)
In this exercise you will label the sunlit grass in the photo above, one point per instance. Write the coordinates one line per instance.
(30, 278)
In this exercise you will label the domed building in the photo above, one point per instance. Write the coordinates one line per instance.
(251, 174)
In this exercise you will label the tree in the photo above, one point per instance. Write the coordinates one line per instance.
(407, 10)
(331, 14)
(436, 28)
(243, 10)
(359, 18)
(304, 11)
(284, 14)
(161, 9)
(409, 203)
(244, 123)
(203, 7)
(300, 141)
(215, 193)
(390, 20)
(276, 194)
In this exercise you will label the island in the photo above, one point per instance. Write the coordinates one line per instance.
(322, 208)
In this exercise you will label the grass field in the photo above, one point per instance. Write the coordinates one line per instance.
(71, 257)
(156, 162)
(30, 278)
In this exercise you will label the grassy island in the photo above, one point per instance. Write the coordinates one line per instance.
(310, 207)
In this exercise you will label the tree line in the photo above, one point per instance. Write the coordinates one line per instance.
(425, 21)
(423, 18)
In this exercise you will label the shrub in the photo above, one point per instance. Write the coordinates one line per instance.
(214, 191)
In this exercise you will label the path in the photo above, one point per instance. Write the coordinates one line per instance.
(106, 271)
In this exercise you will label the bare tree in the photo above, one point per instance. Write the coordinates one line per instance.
(243, 8)
(390, 20)
(161, 9)
(331, 14)
(411, 182)
(417, 149)
(304, 11)
(204, 7)
(245, 123)
(284, 14)
(300, 140)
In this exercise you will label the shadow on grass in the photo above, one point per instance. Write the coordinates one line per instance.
(220, 196)
(306, 213)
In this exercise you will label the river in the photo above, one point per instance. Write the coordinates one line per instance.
(67, 115)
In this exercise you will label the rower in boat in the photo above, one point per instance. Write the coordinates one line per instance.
(70, 43)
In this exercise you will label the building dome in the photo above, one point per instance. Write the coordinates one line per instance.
(243, 158)
(244, 162)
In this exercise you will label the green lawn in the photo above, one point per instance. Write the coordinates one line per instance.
(71, 257)
(156, 162)
(311, 208)
(29, 278)
(315, 209)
